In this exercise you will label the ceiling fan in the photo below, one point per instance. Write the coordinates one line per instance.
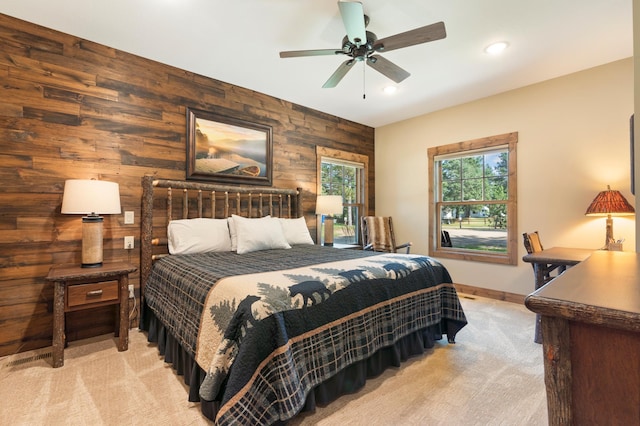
(361, 45)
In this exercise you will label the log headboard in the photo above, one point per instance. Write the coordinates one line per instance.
(164, 200)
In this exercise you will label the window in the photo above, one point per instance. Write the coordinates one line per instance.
(344, 173)
(472, 209)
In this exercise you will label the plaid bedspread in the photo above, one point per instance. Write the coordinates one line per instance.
(265, 346)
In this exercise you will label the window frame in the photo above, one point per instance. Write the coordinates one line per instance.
(508, 140)
(339, 156)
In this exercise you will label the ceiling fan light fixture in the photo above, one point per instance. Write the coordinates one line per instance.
(496, 48)
(364, 46)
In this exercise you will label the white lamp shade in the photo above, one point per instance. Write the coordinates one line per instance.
(329, 204)
(84, 196)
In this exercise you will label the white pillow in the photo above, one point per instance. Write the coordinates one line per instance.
(259, 234)
(232, 231)
(296, 231)
(198, 236)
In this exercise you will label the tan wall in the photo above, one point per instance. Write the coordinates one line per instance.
(70, 109)
(636, 91)
(573, 142)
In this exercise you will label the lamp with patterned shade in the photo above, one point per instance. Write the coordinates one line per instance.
(607, 203)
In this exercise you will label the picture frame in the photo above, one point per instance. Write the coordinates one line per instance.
(227, 149)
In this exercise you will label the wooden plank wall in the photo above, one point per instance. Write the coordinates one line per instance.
(74, 109)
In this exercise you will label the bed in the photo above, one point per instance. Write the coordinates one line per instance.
(267, 324)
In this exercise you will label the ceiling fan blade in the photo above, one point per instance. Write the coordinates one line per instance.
(388, 68)
(338, 74)
(316, 52)
(353, 18)
(409, 38)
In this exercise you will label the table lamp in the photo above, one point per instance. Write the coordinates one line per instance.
(91, 198)
(607, 203)
(328, 205)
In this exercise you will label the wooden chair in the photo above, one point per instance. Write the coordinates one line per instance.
(378, 235)
(445, 239)
(533, 244)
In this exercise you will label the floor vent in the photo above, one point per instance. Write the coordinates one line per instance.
(28, 359)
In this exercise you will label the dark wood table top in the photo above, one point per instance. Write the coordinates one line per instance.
(604, 290)
(559, 256)
(75, 271)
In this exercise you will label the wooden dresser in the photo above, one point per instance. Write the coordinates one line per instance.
(591, 341)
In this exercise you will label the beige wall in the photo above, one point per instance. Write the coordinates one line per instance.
(636, 78)
(573, 142)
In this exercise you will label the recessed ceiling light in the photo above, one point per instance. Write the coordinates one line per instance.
(389, 90)
(496, 48)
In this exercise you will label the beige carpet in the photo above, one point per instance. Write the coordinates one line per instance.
(493, 375)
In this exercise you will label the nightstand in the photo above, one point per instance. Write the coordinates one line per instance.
(78, 288)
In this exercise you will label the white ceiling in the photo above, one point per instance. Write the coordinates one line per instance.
(238, 42)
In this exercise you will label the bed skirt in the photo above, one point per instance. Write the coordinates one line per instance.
(346, 381)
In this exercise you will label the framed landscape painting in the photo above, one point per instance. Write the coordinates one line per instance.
(227, 149)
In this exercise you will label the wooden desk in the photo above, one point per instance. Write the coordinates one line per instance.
(591, 341)
(548, 260)
(79, 288)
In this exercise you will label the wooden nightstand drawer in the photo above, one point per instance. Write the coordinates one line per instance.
(89, 294)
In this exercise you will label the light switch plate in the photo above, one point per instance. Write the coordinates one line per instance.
(128, 218)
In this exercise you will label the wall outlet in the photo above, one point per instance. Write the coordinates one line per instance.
(129, 242)
(131, 293)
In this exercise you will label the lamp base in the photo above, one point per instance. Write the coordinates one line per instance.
(608, 239)
(328, 231)
(92, 241)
